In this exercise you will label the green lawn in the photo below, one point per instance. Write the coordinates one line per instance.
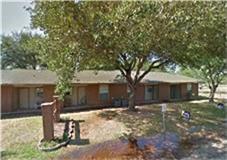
(20, 135)
(149, 119)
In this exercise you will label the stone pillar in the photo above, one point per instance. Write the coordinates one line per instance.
(48, 121)
(57, 108)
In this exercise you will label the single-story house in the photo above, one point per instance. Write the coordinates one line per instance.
(27, 89)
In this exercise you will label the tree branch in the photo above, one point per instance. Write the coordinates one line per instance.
(140, 65)
(160, 63)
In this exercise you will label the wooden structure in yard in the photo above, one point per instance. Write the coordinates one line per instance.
(50, 115)
(48, 121)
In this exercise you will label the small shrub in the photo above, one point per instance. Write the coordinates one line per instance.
(65, 136)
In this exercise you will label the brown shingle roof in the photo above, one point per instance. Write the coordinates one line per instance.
(20, 76)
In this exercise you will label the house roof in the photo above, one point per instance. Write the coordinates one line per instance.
(20, 76)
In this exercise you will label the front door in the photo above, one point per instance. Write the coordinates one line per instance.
(23, 98)
(81, 96)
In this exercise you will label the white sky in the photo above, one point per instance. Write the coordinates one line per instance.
(14, 17)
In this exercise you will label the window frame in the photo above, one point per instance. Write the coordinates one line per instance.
(154, 94)
(175, 96)
(39, 92)
(104, 92)
(189, 90)
(128, 90)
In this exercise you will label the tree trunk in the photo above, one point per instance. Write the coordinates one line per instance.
(34, 67)
(212, 93)
(131, 100)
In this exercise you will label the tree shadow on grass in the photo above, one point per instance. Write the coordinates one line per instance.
(148, 119)
(108, 115)
(203, 145)
(145, 121)
(203, 114)
(201, 137)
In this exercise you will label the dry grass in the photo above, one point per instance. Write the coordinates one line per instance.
(20, 136)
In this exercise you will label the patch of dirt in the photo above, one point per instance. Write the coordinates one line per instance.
(98, 129)
(143, 148)
(59, 129)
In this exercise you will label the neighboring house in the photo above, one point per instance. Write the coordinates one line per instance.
(27, 89)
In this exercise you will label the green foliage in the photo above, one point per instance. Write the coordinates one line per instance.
(209, 36)
(19, 50)
(211, 71)
(209, 39)
(123, 35)
(65, 136)
(190, 72)
(27, 151)
(224, 79)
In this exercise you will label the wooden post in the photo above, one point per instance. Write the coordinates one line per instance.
(77, 131)
(164, 108)
(57, 108)
(48, 121)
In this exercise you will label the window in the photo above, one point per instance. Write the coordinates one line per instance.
(175, 91)
(189, 87)
(39, 96)
(104, 92)
(189, 90)
(128, 90)
(39, 92)
(151, 92)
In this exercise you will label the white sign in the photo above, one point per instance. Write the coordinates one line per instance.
(164, 107)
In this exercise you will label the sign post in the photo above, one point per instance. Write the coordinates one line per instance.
(164, 108)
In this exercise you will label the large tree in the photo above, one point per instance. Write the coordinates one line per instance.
(19, 50)
(209, 40)
(125, 35)
(211, 72)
